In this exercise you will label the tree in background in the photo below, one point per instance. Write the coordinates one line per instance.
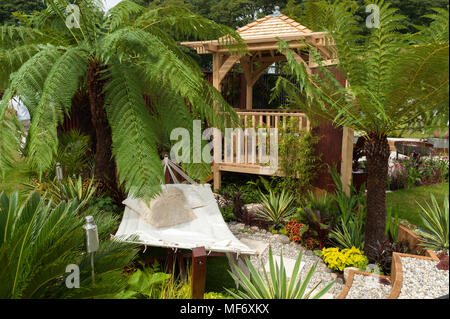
(393, 80)
(232, 13)
(7, 7)
(315, 13)
(117, 59)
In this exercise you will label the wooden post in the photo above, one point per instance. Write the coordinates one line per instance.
(217, 145)
(198, 272)
(347, 159)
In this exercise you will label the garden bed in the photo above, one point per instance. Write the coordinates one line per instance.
(412, 276)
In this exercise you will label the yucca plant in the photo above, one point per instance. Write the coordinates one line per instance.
(277, 208)
(392, 80)
(436, 222)
(276, 285)
(38, 241)
(348, 234)
(115, 59)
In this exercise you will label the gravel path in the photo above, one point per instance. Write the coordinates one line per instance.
(368, 287)
(290, 250)
(422, 280)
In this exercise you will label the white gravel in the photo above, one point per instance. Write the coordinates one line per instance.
(290, 250)
(368, 287)
(423, 280)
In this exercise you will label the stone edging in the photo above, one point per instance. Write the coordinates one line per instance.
(396, 277)
(397, 270)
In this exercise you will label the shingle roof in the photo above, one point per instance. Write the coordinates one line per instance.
(271, 26)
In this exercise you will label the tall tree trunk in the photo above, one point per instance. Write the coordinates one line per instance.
(105, 168)
(377, 153)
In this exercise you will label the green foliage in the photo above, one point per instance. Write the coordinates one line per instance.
(348, 234)
(38, 241)
(228, 213)
(135, 50)
(277, 208)
(392, 225)
(297, 158)
(72, 154)
(275, 284)
(339, 259)
(72, 188)
(436, 222)
(105, 204)
(385, 71)
(7, 7)
(348, 205)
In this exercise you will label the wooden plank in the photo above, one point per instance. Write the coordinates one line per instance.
(198, 272)
(217, 177)
(347, 159)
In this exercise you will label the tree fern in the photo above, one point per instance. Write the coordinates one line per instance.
(135, 49)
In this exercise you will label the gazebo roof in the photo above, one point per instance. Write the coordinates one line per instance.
(267, 31)
(270, 26)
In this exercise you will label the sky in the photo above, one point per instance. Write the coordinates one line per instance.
(110, 3)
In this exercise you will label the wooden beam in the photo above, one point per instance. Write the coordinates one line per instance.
(198, 273)
(217, 59)
(226, 66)
(258, 72)
(347, 159)
(330, 62)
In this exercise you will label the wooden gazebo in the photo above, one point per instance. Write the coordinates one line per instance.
(262, 38)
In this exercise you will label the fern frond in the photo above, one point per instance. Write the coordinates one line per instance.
(122, 14)
(134, 144)
(59, 88)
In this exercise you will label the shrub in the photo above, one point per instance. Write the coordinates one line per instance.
(436, 221)
(295, 230)
(381, 253)
(338, 260)
(415, 171)
(228, 213)
(275, 285)
(277, 208)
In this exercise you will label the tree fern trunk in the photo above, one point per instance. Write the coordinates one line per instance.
(377, 153)
(105, 168)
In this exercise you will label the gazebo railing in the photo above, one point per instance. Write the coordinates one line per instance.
(244, 147)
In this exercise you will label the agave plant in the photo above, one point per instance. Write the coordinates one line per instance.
(436, 222)
(38, 241)
(276, 285)
(277, 208)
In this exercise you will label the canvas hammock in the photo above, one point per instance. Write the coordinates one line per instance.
(207, 230)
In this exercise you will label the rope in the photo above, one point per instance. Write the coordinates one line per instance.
(171, 166)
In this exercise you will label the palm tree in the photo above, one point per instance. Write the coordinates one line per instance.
(393, 79)
(116, 58)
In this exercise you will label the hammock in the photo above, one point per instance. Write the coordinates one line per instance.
(208, 230)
